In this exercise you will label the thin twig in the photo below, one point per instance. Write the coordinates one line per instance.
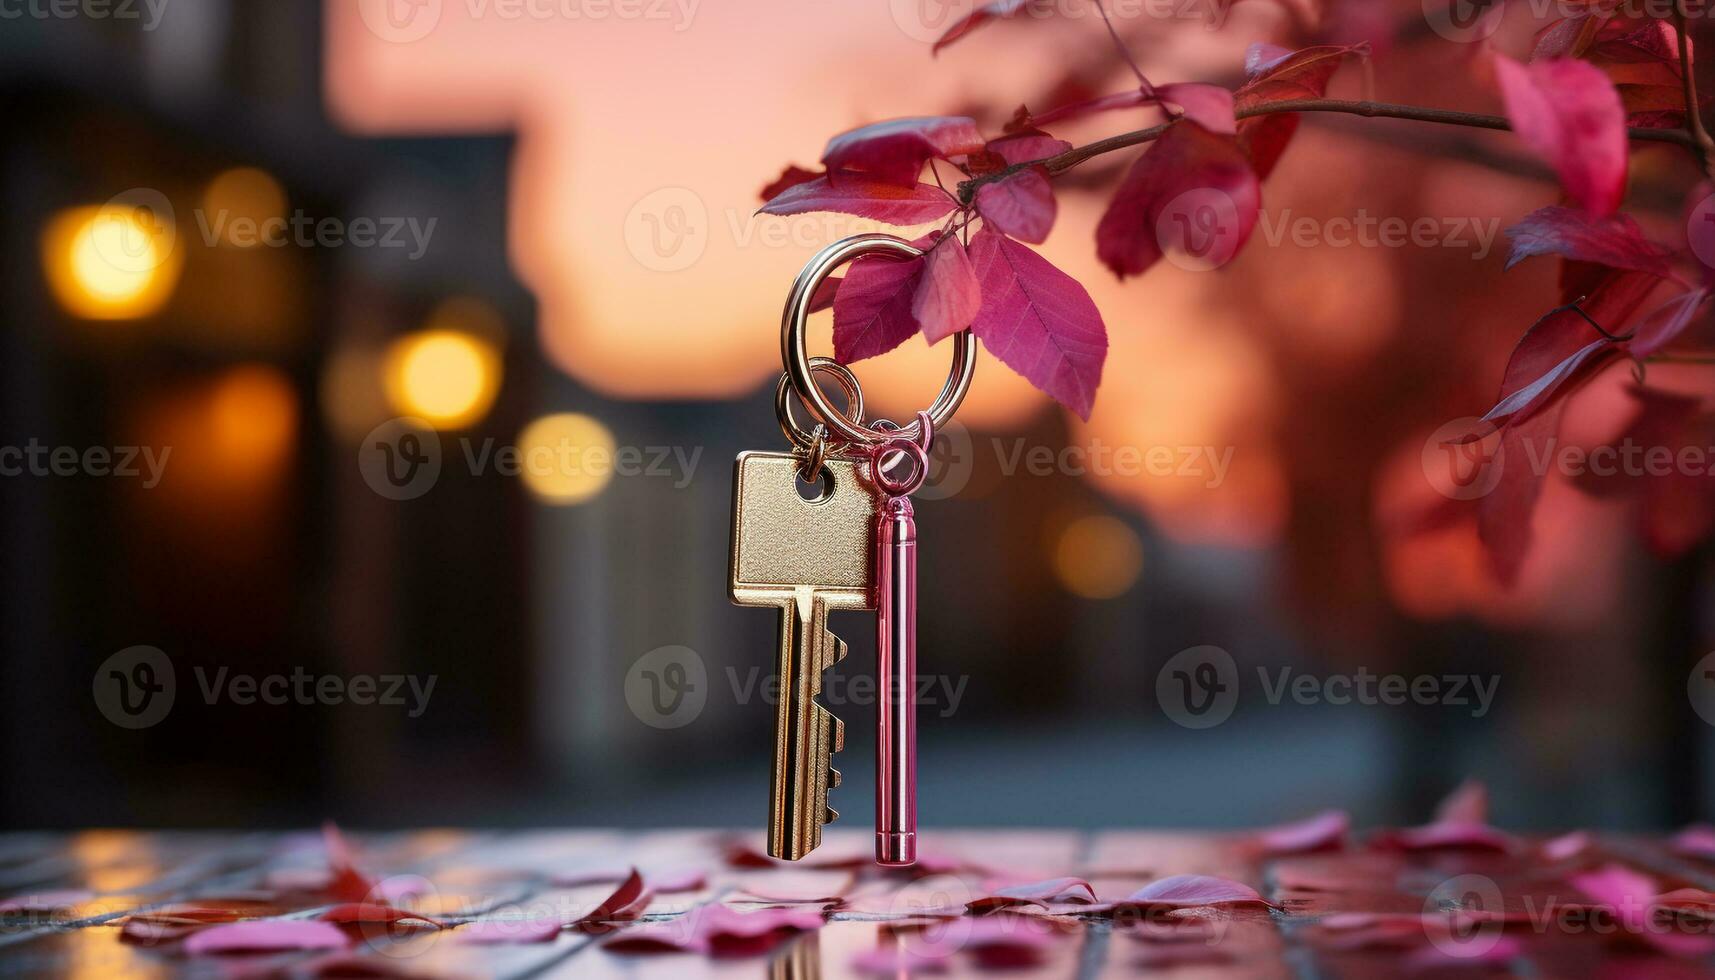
(1703, 147)
(1119, 44)
(1450, 117)
(1681, 359)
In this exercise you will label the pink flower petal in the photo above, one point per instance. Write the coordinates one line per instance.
(948, 297)
(1038, 321)
(1467, 804)
(896, 150)
(1697, 840)
(1323, 831)
(1020, 206)
(1074, 890)
(1184, 891)
(1569, 113)
(896, 205)
(266, 935)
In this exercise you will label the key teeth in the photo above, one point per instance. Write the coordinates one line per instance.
(831, 815)
(839, 739)
(837, 648)
(834, 778)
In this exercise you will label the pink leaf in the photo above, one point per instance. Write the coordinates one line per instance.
(1128, 99)
(54, 900)
(1278, 77)
(360, 913)
(995, 10)
(896, 150)
(911, 205)
(493, 931)
(1505, 519)
(1193, 194)
(1567, 846)
(1043, 893)
(1027, 147)
(1324, 831)
(1541, 391)
(949, 296)
(347, 882)
(1186, 891)
(626, 903)
(1616, 241)
(872, 310)
(716, 929)
(1621, 889)
(896, 961)
(1038, 321)
(1261, 56)
(1568, 112)
(789, 178)
(1020, 206)
(1664, 325)
(1697, 840)
(1209, 106)
(265, 935)
(1468, 803)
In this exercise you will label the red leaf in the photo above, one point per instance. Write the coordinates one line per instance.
(266, 935)
(1038, 321)
(1119, 100)
(627, 902)
(1020, 206)
(1324, 831)
(1664, 325)
(1446, 836)
(1615, 241)
(1278, 75)
(872, 310)
(949, 296)
(1542, 390)
(1653, 43)
(1568, 38)
(1568, 113)
(791, 177)
(348, 883)
(1187, 891)
(1042, 893)
(359, 913)
(1193, 193)
(1697, 840)
(825, 293)
(866, 198)
(996, 10)
(716, 929)
(1209, 106)
(1027, 146)
(1505, 514)
(896, 150)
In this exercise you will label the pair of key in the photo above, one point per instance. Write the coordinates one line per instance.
(851, 544)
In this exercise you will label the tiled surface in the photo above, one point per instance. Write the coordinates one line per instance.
(1314, 932)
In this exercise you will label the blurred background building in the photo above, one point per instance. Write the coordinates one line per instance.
(536, 231)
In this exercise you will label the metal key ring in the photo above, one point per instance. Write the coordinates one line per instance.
(805, 439)
(795, 354)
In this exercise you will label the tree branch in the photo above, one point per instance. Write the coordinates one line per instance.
(1702, 146)
(1450, 117)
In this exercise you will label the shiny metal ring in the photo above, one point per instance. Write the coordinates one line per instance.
(794, 352)
(800, 437)
(811, 470)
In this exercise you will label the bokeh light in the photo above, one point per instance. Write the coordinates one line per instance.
(565, 458)
(253, 418)
(1097, 557)
(447, 377)
(111, 262)
(237, 202)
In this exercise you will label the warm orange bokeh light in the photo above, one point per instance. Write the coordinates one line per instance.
(240, 200)
(111, 262)
(1097, 557)
(565, 458)
(448, 378)
(253, 418)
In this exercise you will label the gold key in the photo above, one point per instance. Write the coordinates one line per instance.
(805, 558)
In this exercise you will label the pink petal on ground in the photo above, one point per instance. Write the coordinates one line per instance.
(1185, 891)
(358, 913)
(346, 883)
(1021, 205)
(1446, 836)
(1692, 902)
(1469, 803)
(1567, 846)
(893, 961)
(1043, 893)
(626, 903)
(716, 929)
(493, 931)
(1569, 113)
(1465, 952)
(796, 886)
(1621, 889)
(266, 935)
(54, 900)
(1324, 831)
(1697, 840)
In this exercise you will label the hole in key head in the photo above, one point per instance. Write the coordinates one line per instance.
(818, 490)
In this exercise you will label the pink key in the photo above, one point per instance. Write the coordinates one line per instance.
(896, 713)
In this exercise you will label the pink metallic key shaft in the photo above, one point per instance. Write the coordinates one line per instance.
(896, 655)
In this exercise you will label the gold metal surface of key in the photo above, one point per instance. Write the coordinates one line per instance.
(805, 558)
